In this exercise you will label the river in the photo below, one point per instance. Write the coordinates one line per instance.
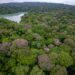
(16, 17)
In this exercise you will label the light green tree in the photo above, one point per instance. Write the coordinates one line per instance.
(36, 71)
(58, 70)
(65, 59)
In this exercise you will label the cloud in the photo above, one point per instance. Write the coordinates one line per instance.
(58, 1)
(72, 2)
(6, 1)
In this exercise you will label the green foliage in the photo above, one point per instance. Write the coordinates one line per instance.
(49, 41)
(73, 55)
(36, 71)
(20, 70)
(37, 51)
(1, 73)
(45, 39)
(23, 56)
(65, 48)
(62, 47)
(27, 60)
(59, 70)
(65, 59)
(37, 44)
(53, 56)
(55, 49)
(10, 64)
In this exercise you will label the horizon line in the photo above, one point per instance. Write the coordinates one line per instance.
(39, 2)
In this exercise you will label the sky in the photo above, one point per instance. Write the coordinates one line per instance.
(71, 2)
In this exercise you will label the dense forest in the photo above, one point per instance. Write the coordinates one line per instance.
(42, 43)
(33, 6)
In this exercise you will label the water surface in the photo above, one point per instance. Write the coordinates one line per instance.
(16, 17)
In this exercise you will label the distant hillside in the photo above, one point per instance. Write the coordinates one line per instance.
(33, 6)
